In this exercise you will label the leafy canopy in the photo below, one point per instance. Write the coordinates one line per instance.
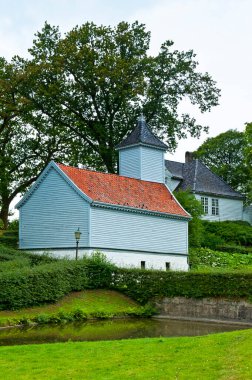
(96, 80)
(194, 207)
(225, 156)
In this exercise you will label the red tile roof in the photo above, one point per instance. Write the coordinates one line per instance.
(124, 191)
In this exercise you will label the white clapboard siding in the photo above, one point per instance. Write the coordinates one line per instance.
(172, 183)
(51, 214)
(142, 162)
(229, 209)
(131, 231)
(130, 162)
(152, 164)
(247, 214)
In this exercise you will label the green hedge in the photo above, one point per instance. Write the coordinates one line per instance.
(41, 284)
(143, 285)
(49, 282)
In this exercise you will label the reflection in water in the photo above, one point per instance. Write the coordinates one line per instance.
(111, 330)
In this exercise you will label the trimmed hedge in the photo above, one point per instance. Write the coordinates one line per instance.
(143, 285)
(48, 283)
(41, 284)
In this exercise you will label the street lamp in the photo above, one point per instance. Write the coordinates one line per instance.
(77, 235)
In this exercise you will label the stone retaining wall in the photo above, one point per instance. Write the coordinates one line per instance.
(205, 309)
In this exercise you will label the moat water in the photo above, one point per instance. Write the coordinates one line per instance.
(111, 330)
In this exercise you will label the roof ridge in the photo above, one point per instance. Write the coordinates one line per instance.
(221, 179)
(110, 174)
(142, 134)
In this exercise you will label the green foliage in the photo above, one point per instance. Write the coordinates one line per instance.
(40, 284)
(143, 285)
(248, 155)
(205, 257)
(13, 225)
(193, 206)
(10, 265)
(26, 146)
(234, 233)
(9, 238)
(225, 156)
(98, 79)
(47, 283)
(8, 253)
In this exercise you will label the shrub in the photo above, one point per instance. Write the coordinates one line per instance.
(41, 284)
(234, 249)
(230, 232)
(28, 286)
(143, 285)
(205, 257)
(194, 207)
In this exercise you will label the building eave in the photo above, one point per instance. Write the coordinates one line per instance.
(139, 211)
(238, 197)
(41, 177)
(141, 144)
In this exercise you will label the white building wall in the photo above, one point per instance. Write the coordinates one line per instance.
(111, 228)
(247, 214)
(229, 209)
(152, 164)
(130, 162)
(51, 214)
(127, 259)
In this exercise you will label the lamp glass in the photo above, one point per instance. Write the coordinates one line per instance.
(77, 234)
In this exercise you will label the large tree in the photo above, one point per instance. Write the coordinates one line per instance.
(96, 80)
(25, 148)
(248, 156)
(225, 156)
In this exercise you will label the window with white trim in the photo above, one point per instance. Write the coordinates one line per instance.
(215, 206)
(204, 204)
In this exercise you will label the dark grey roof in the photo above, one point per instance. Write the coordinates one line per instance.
(199, 179)
(142, 135)
(175, 168)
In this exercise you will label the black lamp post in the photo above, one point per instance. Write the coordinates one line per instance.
(77, 235)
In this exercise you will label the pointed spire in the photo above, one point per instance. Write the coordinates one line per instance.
(142, 135)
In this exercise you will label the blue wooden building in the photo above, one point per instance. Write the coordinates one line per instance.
(132, 218)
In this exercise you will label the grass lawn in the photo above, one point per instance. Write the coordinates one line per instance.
(89, 301)
(220, 356)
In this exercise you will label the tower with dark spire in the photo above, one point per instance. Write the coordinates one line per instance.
(141, 154)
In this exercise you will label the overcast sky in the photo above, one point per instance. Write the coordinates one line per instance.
(219, 32)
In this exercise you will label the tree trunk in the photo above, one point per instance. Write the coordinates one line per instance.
(4, 212)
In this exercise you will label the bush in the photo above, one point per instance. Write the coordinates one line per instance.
(234, 249)
(232, 233)
(8, 253)
(30, 286)
(41, 284)
(205, 257)
(143, 285)
(194, 207)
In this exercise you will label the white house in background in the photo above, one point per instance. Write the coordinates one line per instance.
(220, 202)
(133, 218)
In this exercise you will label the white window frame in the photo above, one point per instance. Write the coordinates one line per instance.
(215, 207)
(204, 204)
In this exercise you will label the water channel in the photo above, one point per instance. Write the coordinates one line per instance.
(111, 330)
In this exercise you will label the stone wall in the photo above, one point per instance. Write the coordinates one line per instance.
(218, 309)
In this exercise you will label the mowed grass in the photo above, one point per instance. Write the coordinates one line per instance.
(90, 301)
(220, 356)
